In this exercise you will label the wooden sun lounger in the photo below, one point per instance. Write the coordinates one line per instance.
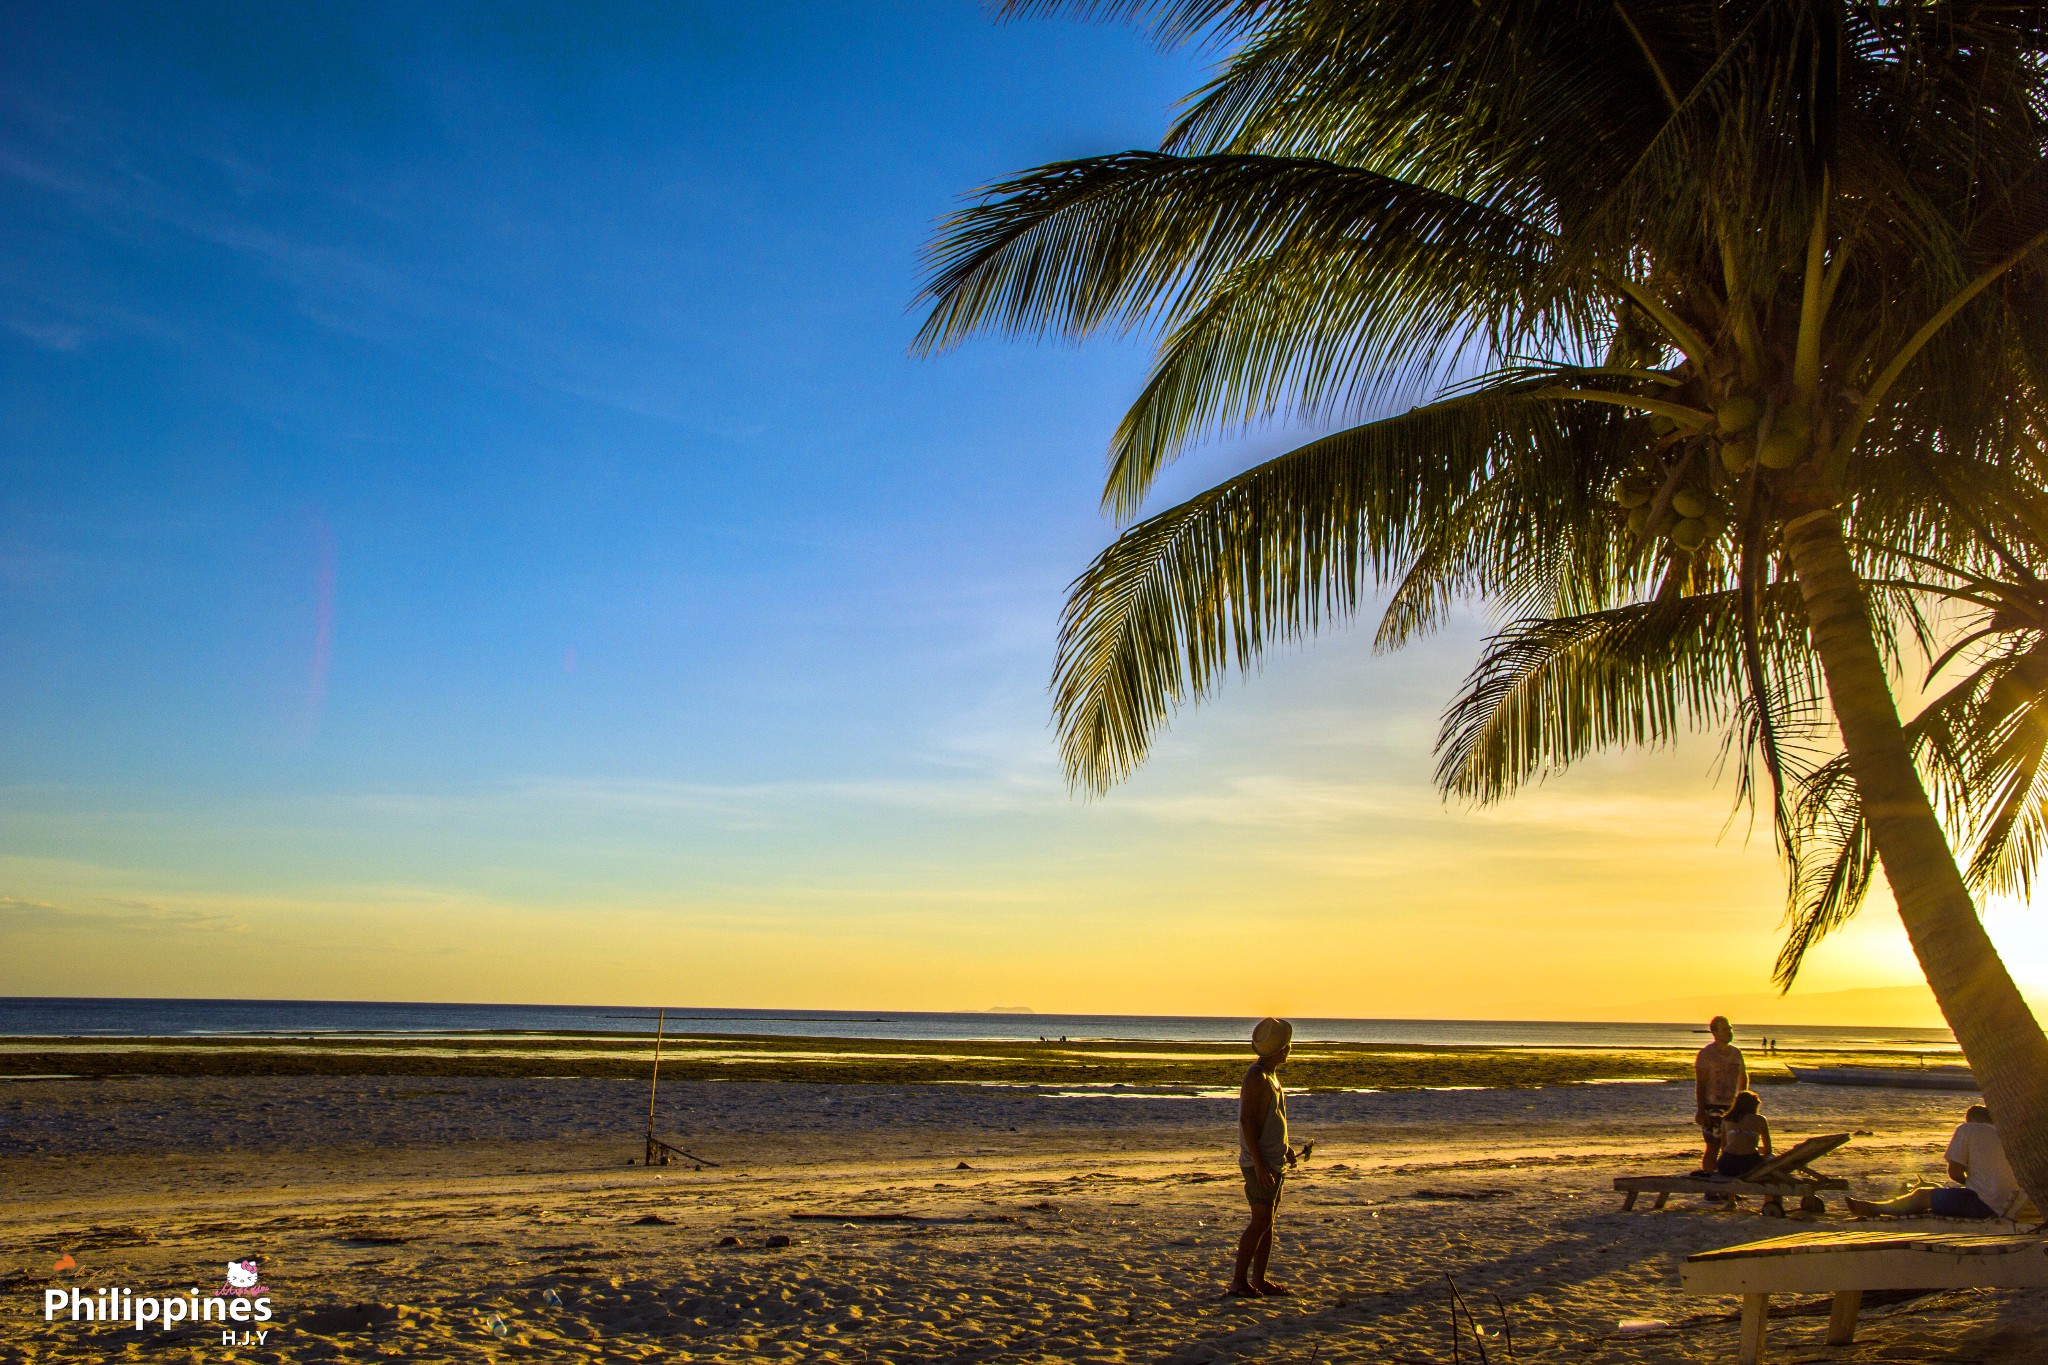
(1783, 1175)
(1847, 1264)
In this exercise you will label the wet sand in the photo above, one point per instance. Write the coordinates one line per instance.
(465, 1219)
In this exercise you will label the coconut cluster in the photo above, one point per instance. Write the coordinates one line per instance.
(1747, 432)
(1688, 520)
(1753, 433)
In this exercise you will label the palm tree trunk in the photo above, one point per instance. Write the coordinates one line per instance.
(2001, 1038)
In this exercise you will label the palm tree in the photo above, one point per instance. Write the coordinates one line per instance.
(1697, 294)
(1982, 737)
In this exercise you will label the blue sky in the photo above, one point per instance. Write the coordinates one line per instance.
(465, 499)
(537, 340)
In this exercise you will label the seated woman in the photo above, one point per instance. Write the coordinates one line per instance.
(1745, 1136)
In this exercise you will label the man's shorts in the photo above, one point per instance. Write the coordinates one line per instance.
(1715, 1113)
(1958, 1201)
(1257, 1194)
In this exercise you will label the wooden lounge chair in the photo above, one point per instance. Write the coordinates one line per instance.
(1847, 1264)
(1784, 1174)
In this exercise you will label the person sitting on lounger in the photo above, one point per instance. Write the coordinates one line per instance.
(1985, 1186)
(1745, 1136)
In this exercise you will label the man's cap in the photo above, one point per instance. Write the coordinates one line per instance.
(1270, 1035)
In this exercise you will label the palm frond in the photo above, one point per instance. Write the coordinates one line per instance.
(1114, 240)
(1548, 691)
(1265, 557)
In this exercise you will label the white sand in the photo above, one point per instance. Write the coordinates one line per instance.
(1085, 1230)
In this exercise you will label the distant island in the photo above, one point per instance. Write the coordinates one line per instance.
(1009, 1009)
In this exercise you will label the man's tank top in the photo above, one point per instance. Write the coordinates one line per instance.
(1273, 1136)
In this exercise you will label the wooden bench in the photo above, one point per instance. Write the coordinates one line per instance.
(1782, 1176)
(1848, 1264)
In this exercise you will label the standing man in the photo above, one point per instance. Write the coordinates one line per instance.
(1262, 1155)
(1718, 1075)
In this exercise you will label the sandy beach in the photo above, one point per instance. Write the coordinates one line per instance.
(478, 1218)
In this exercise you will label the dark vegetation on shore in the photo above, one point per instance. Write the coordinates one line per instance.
(701, 1057)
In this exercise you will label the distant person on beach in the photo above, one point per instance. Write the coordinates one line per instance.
(1985, 1185)
(1262, 1155)
(1718, 1075)
(1745, 1136)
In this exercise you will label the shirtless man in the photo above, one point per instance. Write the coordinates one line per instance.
(1718, 1075)
(1262, 1155)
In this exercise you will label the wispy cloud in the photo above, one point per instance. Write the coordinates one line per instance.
(51, 336)
(112, 913)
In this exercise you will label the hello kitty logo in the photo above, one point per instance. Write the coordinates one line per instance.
(242, 1281)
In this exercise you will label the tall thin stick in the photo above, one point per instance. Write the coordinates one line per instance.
(1478, 1333)
(1507, 1326)
(653, 1080)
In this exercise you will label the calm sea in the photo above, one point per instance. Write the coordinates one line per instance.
(52, 1015)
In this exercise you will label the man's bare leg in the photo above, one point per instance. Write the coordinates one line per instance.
(1913, 1205)
(1252, 1249)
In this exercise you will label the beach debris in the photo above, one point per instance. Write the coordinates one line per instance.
(653, 1220)
(729, 1241)
(1643, 1327)
(65, 1262)
(498, 1327)
(551, 1297)
(962, 1166)
(778, 1239)
(1451, 1195)
(362, 1238)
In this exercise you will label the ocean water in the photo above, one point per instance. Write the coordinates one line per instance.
(109, 1017)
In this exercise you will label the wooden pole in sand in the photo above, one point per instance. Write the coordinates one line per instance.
(654, 1080)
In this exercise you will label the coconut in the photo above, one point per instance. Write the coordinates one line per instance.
(1662, 425)
(1687, 503)
(1631, 492)
(1738, 455)
(1781, 449)
(1639, 520)
(1738, 413)
(1689, 534)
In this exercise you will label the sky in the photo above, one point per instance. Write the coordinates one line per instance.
(472, 528)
